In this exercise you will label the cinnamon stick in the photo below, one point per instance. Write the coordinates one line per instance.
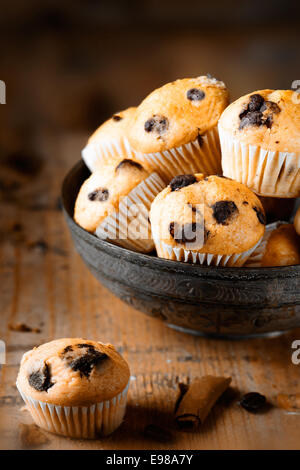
(196, 400)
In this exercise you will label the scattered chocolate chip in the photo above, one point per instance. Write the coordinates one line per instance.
(101, 195)
(127, 162)
(157, 433)
(181, 181)
(41, 379)
(245, 203)
(83, 361)
(223, 211)
(195, 94)
(116, 117)
(157, 124)
(260, 215)
(253, 401)
(186, 233)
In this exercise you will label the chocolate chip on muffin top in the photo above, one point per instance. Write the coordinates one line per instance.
(157, 124)
(83, 357)
(40, 379)
(224, 211)
(181, 181)
(100, 195)
(258, 112)
(195, 94)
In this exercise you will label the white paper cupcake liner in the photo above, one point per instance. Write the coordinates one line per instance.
(266, 172)
(95, 154)
(188, 256)
(120, 227)
(88, 422)
(254, 261)
(194, 157)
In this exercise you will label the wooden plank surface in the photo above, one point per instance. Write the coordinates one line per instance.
(44, 283)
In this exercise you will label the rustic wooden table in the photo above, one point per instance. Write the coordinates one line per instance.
(45, 285)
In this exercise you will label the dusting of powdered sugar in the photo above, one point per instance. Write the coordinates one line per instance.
(208, 80)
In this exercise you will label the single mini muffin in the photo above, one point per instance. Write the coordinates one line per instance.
(114, 204)
(260, 141)
(108, 141)
(207, 220)
(282, 247)
(75, 387)
(297, 221)
(175, 128)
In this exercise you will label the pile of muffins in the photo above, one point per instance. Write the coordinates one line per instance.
(196, 178)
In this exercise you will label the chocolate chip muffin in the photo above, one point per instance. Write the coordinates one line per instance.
(175, 128)
(260, 140)
(207, 220)
(75, 387)
(109, 141)
(114, 202)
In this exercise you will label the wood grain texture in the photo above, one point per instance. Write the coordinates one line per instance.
(44, 283)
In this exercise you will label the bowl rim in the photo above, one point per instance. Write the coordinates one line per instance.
(193, 270)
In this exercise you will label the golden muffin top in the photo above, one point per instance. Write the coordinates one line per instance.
(177, 113)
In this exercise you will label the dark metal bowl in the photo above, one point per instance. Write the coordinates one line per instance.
(227, 302)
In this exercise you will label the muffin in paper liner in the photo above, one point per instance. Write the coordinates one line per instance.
(174, 129)
(75, 387)
(120, 226)
(266, 172)
(87, 422)
(203, 155)
(212, 220)
(254, 261)
(188, 256)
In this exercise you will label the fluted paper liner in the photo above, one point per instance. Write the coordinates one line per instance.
(96, 154)
(119, 227)
(200, 156)
(266, 172)
(88, 422)
(254, 261)
(188, 256)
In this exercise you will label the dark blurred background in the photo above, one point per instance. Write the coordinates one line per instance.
(68, 65)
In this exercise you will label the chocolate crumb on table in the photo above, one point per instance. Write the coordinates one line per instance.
(23, 328)
(197, 399)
